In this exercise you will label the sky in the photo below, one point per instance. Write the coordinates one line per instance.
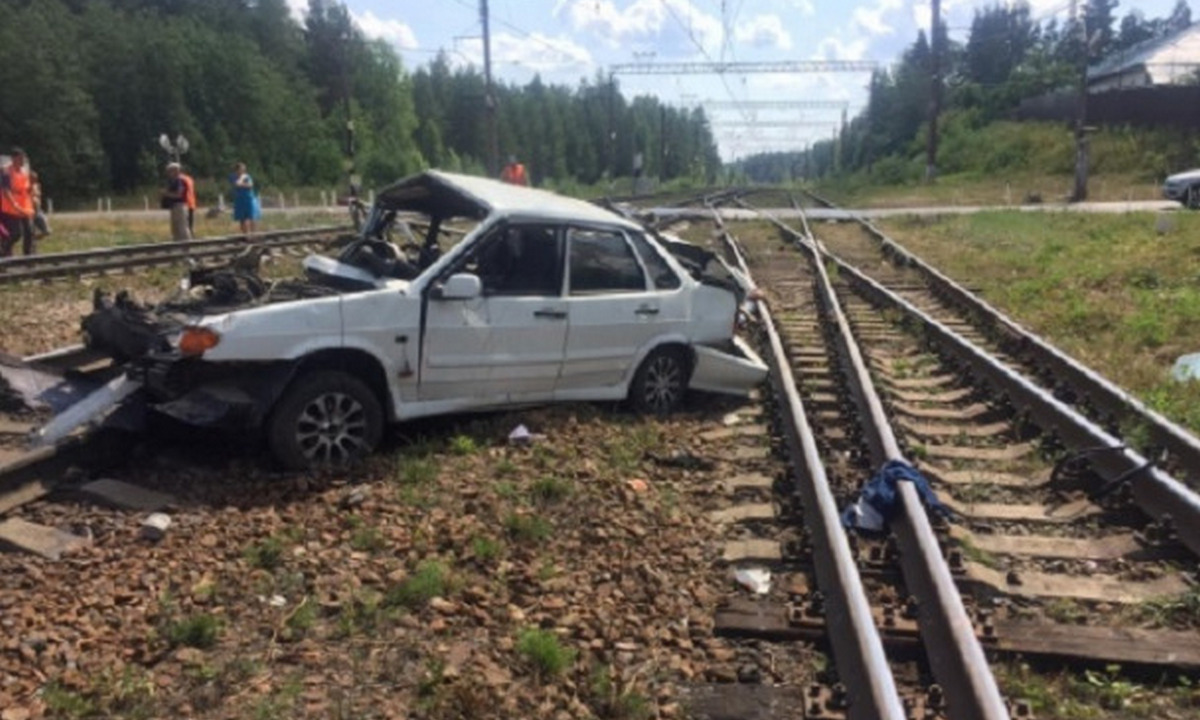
(566, 41)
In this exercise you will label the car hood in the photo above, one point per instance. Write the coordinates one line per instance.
(1184, 176)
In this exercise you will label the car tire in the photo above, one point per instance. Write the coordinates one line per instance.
(324, 419)
(659, 386)
(1192, 198)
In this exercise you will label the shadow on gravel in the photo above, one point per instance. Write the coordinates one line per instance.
(202, 467)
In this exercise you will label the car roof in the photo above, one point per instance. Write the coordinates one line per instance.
(445, 194)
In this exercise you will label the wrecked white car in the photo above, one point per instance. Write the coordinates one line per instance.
(546, 299)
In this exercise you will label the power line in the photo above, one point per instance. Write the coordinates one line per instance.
(778, 105)
(775, 124)
(720, 68)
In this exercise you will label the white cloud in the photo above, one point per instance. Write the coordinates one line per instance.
(834, 48)
(871, 19)
(299, 9)
(670, 23)
(764, 31)
(805, 7)
(535, 52)
(389, 29)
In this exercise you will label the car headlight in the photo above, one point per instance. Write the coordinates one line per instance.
(195, 341)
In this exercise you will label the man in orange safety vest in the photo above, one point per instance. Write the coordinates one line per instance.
(514, 172)
(16, 205)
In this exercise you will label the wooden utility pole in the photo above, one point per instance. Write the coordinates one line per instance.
(1080, 193)
(935, 91)
(492, 132)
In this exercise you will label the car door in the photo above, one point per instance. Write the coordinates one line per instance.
(614, 310)
(507, 344)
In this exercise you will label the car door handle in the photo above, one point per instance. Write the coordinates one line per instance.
(551, 314)
(646, 310)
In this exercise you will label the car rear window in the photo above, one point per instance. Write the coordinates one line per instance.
(602, 262)
(661, 274)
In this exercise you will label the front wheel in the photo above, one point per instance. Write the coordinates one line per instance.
(1192, 199)
(660, 383)
(326, 418)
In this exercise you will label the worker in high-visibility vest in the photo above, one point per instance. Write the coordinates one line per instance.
(16, 205)
(189, 199)
(514, 172)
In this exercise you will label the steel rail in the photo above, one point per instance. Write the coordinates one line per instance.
(1155, 491)
(1175, 442)
(857, 646)
(950, 642)
(38, 267)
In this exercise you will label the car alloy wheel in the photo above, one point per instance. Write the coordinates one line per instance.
(663, 385)
(332, 429)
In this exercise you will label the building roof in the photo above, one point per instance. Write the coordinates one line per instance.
(1166, 60)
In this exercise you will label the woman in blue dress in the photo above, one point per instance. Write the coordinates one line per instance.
(245, 199)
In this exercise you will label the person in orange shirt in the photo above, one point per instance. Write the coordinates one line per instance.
(189, 199)
(514, 172)
(16, 205)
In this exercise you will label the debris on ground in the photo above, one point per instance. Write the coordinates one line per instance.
(756, 580)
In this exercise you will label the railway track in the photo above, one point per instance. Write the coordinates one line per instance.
(1060, 562)
(105, 260)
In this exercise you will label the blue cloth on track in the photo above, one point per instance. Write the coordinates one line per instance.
(879, 500)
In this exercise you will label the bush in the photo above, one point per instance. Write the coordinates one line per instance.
(429, 581)
(197, 631)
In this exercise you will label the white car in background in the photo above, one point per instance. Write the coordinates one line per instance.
(546, 299)
(1184, 188)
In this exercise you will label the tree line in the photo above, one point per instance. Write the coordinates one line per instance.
(89, 85)
(1008, 56)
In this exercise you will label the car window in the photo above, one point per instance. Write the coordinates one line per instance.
(661, 274)
(603, 262)
(518, 260)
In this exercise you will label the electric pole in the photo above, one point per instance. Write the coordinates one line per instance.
(490, 101)
(1082, 142)
(935, 90)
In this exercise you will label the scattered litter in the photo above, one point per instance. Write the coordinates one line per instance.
(638, 485)
(879, 500)
(277, 601)
(520, 435)
(1187, 367)
(756, 580)
(154, 527)
(354, 497)
(731, 419)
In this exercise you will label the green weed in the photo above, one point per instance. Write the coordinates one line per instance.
(463, 445)
(550, 490)
(197, 631)
(528, 528)
(432, 579)
(543, 651)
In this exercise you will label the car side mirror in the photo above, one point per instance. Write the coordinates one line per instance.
(460, 286)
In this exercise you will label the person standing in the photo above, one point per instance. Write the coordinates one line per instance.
(514, 172)
(174, 199)
(16, 205)
(189, 201)
(245, 199)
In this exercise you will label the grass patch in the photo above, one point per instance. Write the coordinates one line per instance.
(550, 489)
(197, 631)
(486, 549)
(974, 553)
(64, 702)
(268, 553)
(417, 471)
(544, 653)
(463, 445)
(528, 528)
(432, 579)
(1176, 611)
(367, 538)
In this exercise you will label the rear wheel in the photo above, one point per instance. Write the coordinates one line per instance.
(661, 382)
(1192, 200)
(326, 418)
